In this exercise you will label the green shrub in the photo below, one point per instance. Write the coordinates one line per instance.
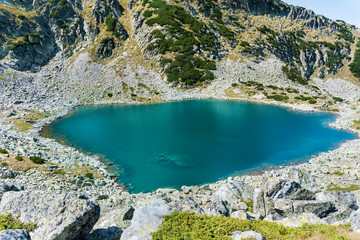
(60, 171)
(312, 101)
(110, 95)
(110, 22)
(19, 158)
(244, 44)
(3, 151)
(105, 40)
(277, 97)
(187, 66)
(186, 225)
(355, 65)
(9, 222)
(234, 85)
(21, 17)
(338, 99)
(89, 175)
(4, 164)
(37, 160)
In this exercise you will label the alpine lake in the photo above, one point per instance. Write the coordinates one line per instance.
(168, 145)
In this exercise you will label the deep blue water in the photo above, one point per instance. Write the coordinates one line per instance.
(195, 142)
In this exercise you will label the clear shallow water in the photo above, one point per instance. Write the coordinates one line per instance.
(194, 142)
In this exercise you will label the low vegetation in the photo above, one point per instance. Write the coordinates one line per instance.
(181, 35)
(9, 222)
(355, 65)
(37, 160)
(186, 225)
(89, 175)
(334, 187)
(3, 151)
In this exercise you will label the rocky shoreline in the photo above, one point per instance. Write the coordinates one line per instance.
(244, 197)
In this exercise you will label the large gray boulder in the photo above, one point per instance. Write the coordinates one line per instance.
(342, 200)
(297, 220)
(58, 216)
(233, 194)
(289, 190)
(355, 221)
(6, 187)
(320, 209)
(259, 202)
(14, 234)
(345, 203)
(110, 224)
(147, 219)
(238, 235)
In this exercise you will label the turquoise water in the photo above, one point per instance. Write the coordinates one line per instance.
(194, 142)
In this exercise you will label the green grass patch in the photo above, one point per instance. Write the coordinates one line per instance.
(338, 173)
(19, 158)
(9, 222)
(333, 187)
(186, 225)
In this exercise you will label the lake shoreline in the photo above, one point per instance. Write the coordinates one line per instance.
(258, 170)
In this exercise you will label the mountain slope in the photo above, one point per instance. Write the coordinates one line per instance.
(185, 43)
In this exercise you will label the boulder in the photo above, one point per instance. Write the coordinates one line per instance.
(233, 194)
(240, 215)
(342, 200)
(14, 234)
(106, 48)
(110, 225)
(298, 220)
(289, 190)
(238, 235)
(355, 221)
(6, 187)
(58, 216)
(147, 219)
(216, 209)
(259, 202)
(320, 209)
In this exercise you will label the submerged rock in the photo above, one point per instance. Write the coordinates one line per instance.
(58, 216)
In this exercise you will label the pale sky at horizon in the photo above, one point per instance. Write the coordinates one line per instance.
(347, 10)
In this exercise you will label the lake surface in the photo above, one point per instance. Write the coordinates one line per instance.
(194, 142)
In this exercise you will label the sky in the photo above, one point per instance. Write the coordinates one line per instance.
(347, 10)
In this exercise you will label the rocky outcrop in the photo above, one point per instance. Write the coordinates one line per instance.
(6, 187)
(355, 221)
(102, 9)
(147, 218)
(106, 48)
(14, 234)
(58, 216)
(237, 235)
(110, 225)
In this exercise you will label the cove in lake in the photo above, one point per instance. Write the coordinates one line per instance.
(194, 142)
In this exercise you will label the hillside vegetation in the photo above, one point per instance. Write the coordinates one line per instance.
(185, 39)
